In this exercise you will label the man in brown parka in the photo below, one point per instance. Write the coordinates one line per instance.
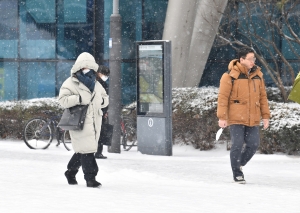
(242, 102)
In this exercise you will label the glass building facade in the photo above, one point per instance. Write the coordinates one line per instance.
(251, 23)
(40, 40)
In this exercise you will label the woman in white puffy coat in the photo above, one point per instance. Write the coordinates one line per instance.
(79, 90)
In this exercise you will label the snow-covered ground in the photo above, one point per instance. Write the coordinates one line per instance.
(189, 181)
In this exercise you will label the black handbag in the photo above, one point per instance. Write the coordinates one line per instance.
(106, 134)
(73, 118)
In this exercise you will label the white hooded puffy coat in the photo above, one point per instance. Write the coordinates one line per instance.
(86, 140)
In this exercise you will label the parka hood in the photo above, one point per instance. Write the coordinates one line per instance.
(84, 60)
(232, 64)
(236, 68)
(236, 65)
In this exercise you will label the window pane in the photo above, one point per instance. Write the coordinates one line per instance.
(63, 72)
(213, 73)
(267, 78)
(75, 11)
(128, 83)
(291, 49)
(8, 81)
(255, 30)
(37, 29)
(9, 29)
(41, 11)
(286, 75)
(75, 32)
(154, 19)
(37, 80)
(131, 13)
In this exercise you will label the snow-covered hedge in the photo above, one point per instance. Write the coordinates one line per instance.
(195, 113)
(26, 104)
(194, 116)
(14, 114)
(194, 119)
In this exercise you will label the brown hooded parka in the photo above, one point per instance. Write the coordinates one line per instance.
(242, 96)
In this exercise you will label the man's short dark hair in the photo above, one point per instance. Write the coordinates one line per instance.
(243, 52)
(103, 70)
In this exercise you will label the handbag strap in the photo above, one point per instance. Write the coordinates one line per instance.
(92, 98)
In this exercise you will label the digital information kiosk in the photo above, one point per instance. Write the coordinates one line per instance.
(154, 98)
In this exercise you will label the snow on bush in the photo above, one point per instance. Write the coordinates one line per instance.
(195, 99)
(37, 102)
(284, 115)
(194, 118)
(196, 108)
(205, 98)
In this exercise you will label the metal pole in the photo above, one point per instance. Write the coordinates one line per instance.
(116, 7)
(115, 57)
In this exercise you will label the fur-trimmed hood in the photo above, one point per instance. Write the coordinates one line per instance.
(84, 60)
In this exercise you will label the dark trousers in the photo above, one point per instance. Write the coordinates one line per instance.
(88, 163)
(100, 145)
(100, 148)
(241, 134)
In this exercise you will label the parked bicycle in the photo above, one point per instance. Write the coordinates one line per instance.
(128, 129)
(39, 132)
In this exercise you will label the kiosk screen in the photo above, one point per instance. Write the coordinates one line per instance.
(150, 79)
(150, 67)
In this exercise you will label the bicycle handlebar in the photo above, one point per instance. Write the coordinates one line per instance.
(48, 112)
(52, 115)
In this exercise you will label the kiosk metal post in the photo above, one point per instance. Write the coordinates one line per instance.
(154, 97)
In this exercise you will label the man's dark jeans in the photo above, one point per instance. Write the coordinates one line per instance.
(241, 134)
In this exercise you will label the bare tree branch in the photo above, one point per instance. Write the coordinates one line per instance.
(262, 25)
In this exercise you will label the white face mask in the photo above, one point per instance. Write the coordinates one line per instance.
(85, 71)
(104, 77)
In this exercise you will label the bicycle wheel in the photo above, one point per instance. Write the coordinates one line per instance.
(38, 134)
(129, 138)
(66, 139)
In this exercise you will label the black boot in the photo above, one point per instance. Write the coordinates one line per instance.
(90, 169)
(70, 175)
(100, 156)
(93, 183)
